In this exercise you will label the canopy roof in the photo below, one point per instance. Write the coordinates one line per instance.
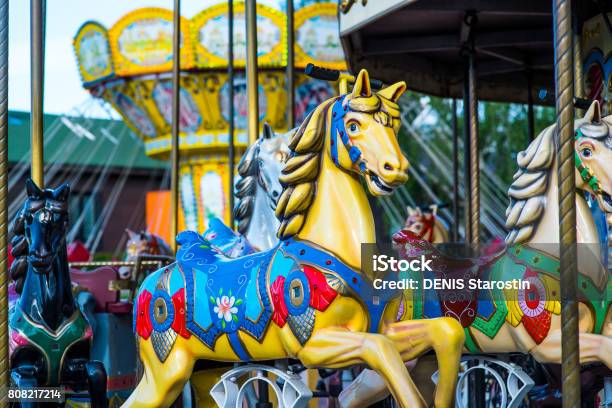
(421, 42)
(80, 141)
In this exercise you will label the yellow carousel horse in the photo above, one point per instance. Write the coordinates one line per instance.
(306, 298)
(525, 320)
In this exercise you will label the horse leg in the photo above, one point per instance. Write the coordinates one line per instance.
(339, 348)
(161, 383)
(96, 381)
(446, 336)
(593, 347)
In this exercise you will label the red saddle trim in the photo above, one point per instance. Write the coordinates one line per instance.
(280, 313)
(321, 294)
(143, 320)
(180, 314)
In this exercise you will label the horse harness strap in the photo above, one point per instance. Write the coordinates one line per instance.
(339, 111)
(585, 172)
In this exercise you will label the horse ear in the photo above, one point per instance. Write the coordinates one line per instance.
(131, 234)
(267, 133)
(393, 92)
(61, 193)
(593, 115)
(362, 85)
(411, 211)
(32, 189)
(434, 209)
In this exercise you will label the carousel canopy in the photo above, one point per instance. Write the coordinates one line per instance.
(421, 42)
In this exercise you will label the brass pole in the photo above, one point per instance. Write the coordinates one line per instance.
(176, 113)
(230, 94)
(290, 67)
(455, 227)
(4, 280)
(578, 80)
(467, 212)
(564, 92)
(37, 64)
(251, 68)
(474, 154)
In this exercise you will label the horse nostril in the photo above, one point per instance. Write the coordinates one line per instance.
(388, 167)
(275, 193)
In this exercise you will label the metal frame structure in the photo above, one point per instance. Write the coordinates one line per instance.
(176, 114)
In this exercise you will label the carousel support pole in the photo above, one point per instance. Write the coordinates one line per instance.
(4, 368)
(230, 80)
(455, 226)
(578, 80)
(37, 56)
(290, 67)
(467, 212)
(530, 115)
(251, 67)
(176, 113)
(564, 92)
(474, 153)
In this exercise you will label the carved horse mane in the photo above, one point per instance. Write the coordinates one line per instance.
(531, 182)
(299, 177)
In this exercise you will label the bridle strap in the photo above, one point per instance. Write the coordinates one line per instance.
(339, 111)
(585, 172)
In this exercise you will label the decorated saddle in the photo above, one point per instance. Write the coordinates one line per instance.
(531, 301)
(207, 294)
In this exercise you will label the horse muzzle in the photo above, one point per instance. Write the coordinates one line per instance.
(41, 264)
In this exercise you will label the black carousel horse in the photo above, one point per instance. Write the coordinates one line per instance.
(49, 335)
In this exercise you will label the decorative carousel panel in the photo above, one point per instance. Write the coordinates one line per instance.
(141, 42)
(597, 62)
(93, 53)
(316, 37)
(190, 119)
(209, 31)
(123, 97)
(309, 94)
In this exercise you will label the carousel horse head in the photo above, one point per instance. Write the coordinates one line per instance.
(593, 156)
(531, 185)
(357, 132)
(258, 188)
(45, 216)
(426, 224)
(141, 243)
(40, 269)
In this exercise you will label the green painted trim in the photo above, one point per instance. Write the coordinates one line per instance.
(54, 347)
(470, 344)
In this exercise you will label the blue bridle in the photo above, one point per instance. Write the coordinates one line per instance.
(339, 111)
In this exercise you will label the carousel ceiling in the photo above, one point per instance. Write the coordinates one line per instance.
(422, 42)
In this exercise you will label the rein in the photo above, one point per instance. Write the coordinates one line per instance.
(339, 111)
(585, 172)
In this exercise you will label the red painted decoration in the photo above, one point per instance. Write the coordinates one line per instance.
(143, 320)
(180, 312)
(280, 313)
(321, 294)
(537, 326)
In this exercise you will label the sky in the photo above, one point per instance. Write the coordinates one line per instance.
(63, 90)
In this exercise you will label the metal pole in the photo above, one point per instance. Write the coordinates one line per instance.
(4, 368)
(467, 212)
(530, 116)
(578, 80)
(290, 67)
(37, 56)
(251, 68)
(564, 92)
(230, 95)
(455, 226)
(474, 156)
(176, 113)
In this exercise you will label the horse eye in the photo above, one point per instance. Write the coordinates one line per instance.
(353, 127)
(587, 152)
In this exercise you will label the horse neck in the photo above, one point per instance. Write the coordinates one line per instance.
(340, 218)
(547, 231)
(47, 298)
(264, 224)
(440, 233)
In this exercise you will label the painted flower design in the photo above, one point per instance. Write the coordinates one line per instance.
(225, 307)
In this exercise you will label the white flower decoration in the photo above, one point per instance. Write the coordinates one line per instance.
(225, 308)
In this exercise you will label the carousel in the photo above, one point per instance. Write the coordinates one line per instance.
(275, 302)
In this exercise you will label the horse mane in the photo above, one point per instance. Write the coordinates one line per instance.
(299, 177)
(528, 190)
(246, 187)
